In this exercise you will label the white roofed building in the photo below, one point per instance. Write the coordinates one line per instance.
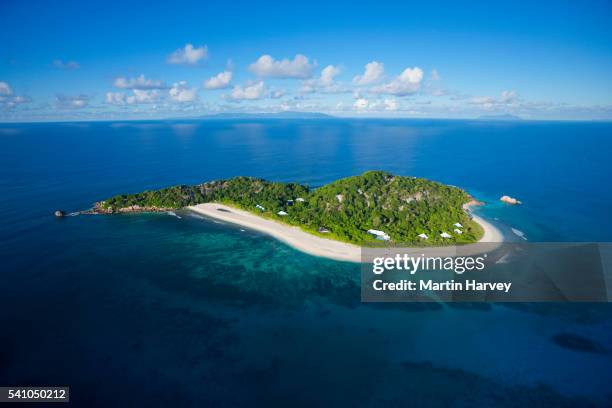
(445, 235)
(379, 234)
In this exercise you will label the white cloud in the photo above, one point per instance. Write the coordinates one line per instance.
(144, 96)
(219, 81)
(5, 89)
(509, 96)
(373, 72)
(8, 99)
(138, 83)
(71, 102)
(361, 104)
(507, 99)
(327, 75)
(266, 66)
(325, 82)
(69, 65)
(377, 105)
(11, 101)
(407, 83)
(250, 92)
(180, 92)
(115, 98)
(276, 94)
(188, 55)
(390, 104)
(138, 96)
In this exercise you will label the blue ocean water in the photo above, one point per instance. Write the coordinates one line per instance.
(153, 309)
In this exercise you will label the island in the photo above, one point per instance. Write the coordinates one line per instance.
(371, 209)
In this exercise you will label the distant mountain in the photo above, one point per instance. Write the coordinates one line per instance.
(503, 117)
(274, 115)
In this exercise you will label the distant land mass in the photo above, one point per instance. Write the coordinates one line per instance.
(269, 115)
(361, 210)
(502, 117)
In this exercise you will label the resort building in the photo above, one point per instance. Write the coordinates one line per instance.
(458, 231)
(260, 207)
(383, 236)
(281, 213)
(300, 199)
(458, 225)
(445, 235)
(423, 236)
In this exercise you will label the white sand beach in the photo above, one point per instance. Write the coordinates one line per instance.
(328, 248)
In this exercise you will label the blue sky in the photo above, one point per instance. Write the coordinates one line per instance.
(75, 61)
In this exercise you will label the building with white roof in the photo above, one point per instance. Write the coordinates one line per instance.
(379, 234)
(445, 235)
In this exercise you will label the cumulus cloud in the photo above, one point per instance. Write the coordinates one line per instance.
(390, 104)
(327, 75)
(361, 104)
(71, 102)
(8, 100)
(69, 65)
(325, 82)
(266, 66)
(277, 94)
(180, 92)
(115, 98)
(377, 105)
(138, 96)
(188, 55)
(507, 99)
(407, 83)
(144, 96)
(249, 92)
(373, 72)
(138, 83)
(11, 101)
(5, 89)
(509, 96)
(219, 81)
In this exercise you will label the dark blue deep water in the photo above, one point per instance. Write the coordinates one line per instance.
(153, 310)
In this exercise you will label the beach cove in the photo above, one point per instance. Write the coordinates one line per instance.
(323, 247)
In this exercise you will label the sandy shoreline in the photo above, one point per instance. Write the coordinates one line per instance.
(328, 248)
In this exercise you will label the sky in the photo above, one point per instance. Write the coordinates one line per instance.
(144, 60)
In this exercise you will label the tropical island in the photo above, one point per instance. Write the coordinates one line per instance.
(366, 210)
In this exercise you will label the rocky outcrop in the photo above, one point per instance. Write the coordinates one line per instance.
(99, 209)
(509, 200)
(60, 213)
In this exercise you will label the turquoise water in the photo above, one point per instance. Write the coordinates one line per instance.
(153, 309)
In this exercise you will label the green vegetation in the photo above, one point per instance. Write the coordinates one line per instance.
(402, 207)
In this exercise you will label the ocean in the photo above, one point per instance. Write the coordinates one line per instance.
(159, 310)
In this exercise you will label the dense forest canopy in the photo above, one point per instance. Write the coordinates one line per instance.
(402, 207)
